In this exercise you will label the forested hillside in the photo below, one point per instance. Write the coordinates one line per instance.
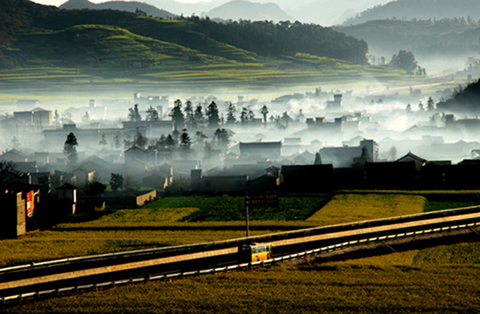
(128, 6)
(106, 38)
(440, 37)
(424, 10)
(465, 99)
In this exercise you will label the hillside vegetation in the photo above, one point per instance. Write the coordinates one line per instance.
(44, 34)
(440, 37)
(44, 47)
(414, 9)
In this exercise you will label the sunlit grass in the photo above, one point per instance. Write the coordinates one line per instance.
(344, 208)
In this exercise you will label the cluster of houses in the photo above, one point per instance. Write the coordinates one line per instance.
(43, 184)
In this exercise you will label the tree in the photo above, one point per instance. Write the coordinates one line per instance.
(140, 140)
(169, 141)
(189, 117)
(86, 118)
(212, 114)
(116, 141)
(264, 113)
(199, 137)
(286, 119)
(300, 116)
(404, 60)
(420, 106)
(70, 148)
(430, 104)
(231, 114)
(152, 114)
(15, 142)
(177, 115)
(221, 138)
(134, 114)
(95, 190)
(392, 153)
(198, 116)
(103, 141)
(409, 108)
(246, 116)
(116, 181)
(318, 159)
(185, 141)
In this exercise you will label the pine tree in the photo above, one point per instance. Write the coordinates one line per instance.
(103, 141)
(221, 138)
(189, 117)
(212, 114)
(430, 104)
(231, 114)
(177, 115)
(264, 113)
(134, 114)
(116, 181)
(70, 148)
(198, 116)
(185, 141)
(152, 114)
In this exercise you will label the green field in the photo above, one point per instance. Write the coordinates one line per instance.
(435, 280)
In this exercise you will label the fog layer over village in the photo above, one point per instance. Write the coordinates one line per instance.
(157, 140)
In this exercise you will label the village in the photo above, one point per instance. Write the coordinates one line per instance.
(129, 153)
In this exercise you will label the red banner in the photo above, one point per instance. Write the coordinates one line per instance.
(30, 204)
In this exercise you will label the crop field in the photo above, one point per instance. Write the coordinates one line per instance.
(435, 280)
(173, 74)
(408, 282)
(197, 219)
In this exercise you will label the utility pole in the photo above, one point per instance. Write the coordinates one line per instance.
(247, 205)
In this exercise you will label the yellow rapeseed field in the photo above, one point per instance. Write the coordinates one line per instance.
(344, 208)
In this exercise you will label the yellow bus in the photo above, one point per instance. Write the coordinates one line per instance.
(255, 252)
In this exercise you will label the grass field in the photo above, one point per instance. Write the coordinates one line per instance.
(398, 283)
(435, 280)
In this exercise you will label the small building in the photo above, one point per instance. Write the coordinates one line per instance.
(336, 103)
(14, 155)
(345, 156)
(136, 152)
(217, 184)
(84, 175)
(261, 149)
(134, 171)
(27, 104)
(18, 201)
(391, 174)
(156, 180)
(307, 178)
(67, 196)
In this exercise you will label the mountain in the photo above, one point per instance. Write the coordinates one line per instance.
(117, 40)
(415, 9)
(131, 6)
(324, 13)
(246, 10)
(446, 37)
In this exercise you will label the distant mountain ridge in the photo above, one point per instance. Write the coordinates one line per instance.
(130, 6)
(443, 37)
(415, 9)
(246, 10)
